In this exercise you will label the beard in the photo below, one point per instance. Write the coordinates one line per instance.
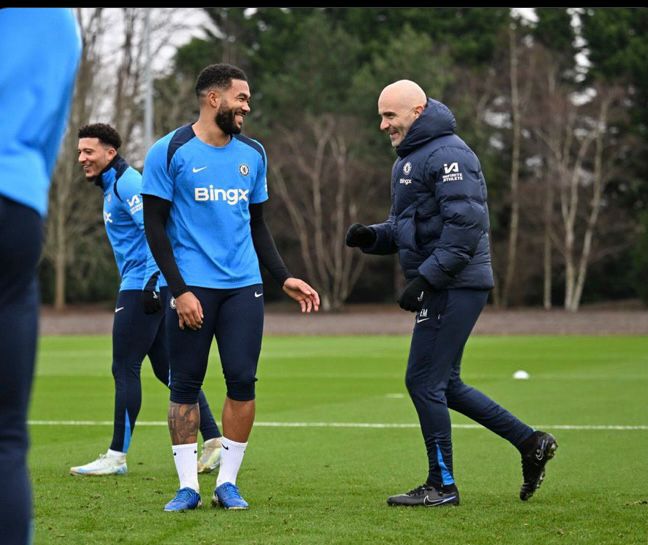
(225, 119)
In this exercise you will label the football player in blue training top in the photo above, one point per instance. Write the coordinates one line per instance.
(40, 51)
(438, 224)
(204, 185)
(138, 327)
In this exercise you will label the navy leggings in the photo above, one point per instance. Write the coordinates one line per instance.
(136, 335)
(235, 318)
(433, 379)
(21, 238)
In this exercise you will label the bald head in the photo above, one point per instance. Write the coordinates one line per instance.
(399, 105)
(404, 92)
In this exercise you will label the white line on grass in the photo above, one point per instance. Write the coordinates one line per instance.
(378, 425)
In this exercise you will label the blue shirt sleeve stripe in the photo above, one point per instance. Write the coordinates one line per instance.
(253, 144)
(179, 139)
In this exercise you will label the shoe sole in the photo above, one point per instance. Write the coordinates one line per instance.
(182, 510)
(444, 503)
(549, 454)
(216, 503)
(95, 474)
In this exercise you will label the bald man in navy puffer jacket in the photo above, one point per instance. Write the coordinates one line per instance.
(438, 223)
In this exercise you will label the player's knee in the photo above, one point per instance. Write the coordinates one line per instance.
(13, 435)
(413, 383)
(162, 376)
(160, 366)
(185, 392)
(242, 389)
(424, 389)
(122, 370)
(455, 390)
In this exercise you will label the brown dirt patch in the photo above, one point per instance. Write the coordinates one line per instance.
(386, 320)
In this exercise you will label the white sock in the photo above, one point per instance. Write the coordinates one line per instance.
(186, 462)
(115, 454)
(231, 459)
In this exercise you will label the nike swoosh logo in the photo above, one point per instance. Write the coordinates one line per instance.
(225, 447)
(258, 294)
(420, 297)
(426, 501)
(194, 170)
(118, 309)
(419, 320)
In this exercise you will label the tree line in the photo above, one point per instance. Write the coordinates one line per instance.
(555, 108)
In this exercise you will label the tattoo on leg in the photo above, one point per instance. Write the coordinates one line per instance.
(184, 421)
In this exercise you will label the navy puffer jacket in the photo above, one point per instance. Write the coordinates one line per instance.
(438, 222)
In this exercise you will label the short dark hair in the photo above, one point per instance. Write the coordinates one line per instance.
(218, 75)
(104, 132)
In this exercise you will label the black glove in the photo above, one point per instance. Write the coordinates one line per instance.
(150, 301)
(360, 235)
(412, 297)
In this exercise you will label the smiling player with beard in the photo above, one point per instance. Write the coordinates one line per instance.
(203, 188)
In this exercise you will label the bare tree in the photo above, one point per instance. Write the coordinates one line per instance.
(576, 142)
(124, 74)
(108, 89)
(321, 185)
(549, 106)
(608, 98)
(69, 216)
(510, 107)
(547, 261)
(129, 70)
(511, 253)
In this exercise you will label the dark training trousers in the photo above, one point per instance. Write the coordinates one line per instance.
(21, 238)
(136, 335)
(433, 379)
(235, 318)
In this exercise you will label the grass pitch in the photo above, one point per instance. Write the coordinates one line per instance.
(336, 434)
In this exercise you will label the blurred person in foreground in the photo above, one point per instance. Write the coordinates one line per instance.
(40, 51)
(438, 223)
(138, 326)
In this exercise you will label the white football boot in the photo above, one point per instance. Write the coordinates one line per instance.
(106, 464)
(210, 457)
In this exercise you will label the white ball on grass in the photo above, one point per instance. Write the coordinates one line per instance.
(521, 375)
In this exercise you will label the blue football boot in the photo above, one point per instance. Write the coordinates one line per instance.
(227, 496)
(185, 498)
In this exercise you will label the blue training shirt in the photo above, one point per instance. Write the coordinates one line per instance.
(123, 214)
(40, 51)
(210, 189)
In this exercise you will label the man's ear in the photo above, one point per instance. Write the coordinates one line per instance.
(214, 98)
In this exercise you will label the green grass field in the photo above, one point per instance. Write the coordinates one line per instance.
(326, 483)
